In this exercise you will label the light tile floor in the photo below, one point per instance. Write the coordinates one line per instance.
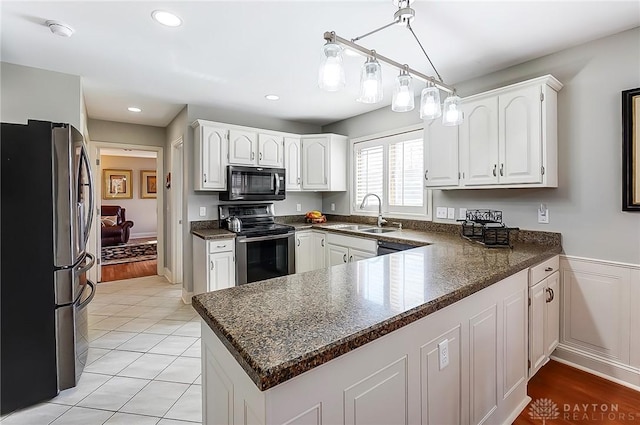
(143, 366)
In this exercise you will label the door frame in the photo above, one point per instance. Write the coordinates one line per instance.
(176, 204)
(95, 237)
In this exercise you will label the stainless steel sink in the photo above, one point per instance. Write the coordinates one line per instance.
(358, 227)
(378, 230)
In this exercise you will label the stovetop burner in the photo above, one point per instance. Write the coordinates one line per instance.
(264, 229)
(257, 219)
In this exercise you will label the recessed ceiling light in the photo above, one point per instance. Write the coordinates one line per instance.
(134, 109)
(272, 97)
(166, 18)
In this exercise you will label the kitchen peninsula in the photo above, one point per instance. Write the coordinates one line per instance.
(435, 334)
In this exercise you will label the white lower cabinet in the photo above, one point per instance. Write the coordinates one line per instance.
(213, 264)
(343, 249)
(396, 379)
(544, 313)
(310, 247)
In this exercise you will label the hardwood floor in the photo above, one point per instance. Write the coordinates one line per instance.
(580, 398)
(129, 270)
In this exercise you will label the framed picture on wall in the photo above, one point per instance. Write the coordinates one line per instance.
(148, 185)
(116, 184)
(631, 150)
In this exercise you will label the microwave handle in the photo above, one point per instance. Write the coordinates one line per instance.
(277, 177)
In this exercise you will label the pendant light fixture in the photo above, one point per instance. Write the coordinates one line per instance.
(403, 96)
(331, 76)
(430, 103)
(371, 81)
(331, 73)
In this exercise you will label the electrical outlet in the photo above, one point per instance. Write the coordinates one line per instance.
(298, 207)
(203, 211)
(443, 353)
(451, 213)
(462, 214)
(441, 212)
(543, 214)
(333, 206)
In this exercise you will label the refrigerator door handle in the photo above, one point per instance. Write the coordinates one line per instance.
(89, 219)
(84, 303)
(88, 265)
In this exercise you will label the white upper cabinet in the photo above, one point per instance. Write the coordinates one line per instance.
(292, 163)
(508, 139)
(479, 142)
(211, 156)
(270, 150)
(441, 154)
(324, 162)
(242, 147)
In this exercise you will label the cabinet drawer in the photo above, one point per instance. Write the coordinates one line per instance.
(221, 245)
(543, 270)
(370, 245)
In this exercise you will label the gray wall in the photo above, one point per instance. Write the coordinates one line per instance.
(120, 132)
(194, 200)
(586, 207)
(32, 93)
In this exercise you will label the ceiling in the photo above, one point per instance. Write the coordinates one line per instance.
(230, 54)
(128, 153)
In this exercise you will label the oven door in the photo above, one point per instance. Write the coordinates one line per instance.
(264, 257)
(254, 184)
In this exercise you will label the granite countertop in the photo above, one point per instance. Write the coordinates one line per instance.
(213, 233)
(279, 328)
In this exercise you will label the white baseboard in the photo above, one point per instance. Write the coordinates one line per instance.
(143, 235)
(168, 275)
(514, 415)
(186, 296)
(605, 368)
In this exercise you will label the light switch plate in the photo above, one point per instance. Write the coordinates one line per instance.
(451, 213)
(543, 214)
(443, 354)
(333, 206)
(298, 207)
(203, 211)
(462, 214)
(441, 212)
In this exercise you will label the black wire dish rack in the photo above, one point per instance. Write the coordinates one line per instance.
(486, 228)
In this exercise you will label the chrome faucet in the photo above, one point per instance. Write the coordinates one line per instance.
(381, 220)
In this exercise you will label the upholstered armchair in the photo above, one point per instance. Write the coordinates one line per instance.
(115, 227)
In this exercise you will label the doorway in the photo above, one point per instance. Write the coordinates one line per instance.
(133, 169)
(175, 187)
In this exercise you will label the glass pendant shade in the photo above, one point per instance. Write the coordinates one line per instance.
(430, 103)
(371, 82)
(403, 94)
(452, 113)
(331, 72)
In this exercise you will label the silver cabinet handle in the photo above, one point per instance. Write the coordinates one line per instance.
(260, 156)
(205, 177)
(502, 169)
(553, 294)
(211, 268)
(425, 174)
(344, 258)
(298, 180)
(322, 243)
(221, 246)
(298, 241)
(548, 298)
(253, 155)
(495, 167)
(351, 259)
(548, 269)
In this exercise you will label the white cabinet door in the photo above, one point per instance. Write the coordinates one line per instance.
(337, 254)
(520, 126)
(441, 154)
(479, 141)
(270, 150)
(304, 252)
(483, 353)
(221, 271)
(538, 297)
(552, 327)
(211, 160)
(315, 163)
(292, 163)
(357, 255)
(242, 147)
(318, 250)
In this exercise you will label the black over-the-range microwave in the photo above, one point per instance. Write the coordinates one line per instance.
(254, 184)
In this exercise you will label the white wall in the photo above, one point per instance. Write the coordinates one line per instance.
(586, 207)
(32, 93)
(143, 212)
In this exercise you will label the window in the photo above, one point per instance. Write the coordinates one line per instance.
(391, 167)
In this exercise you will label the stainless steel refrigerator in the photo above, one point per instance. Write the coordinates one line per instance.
(46, 213)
